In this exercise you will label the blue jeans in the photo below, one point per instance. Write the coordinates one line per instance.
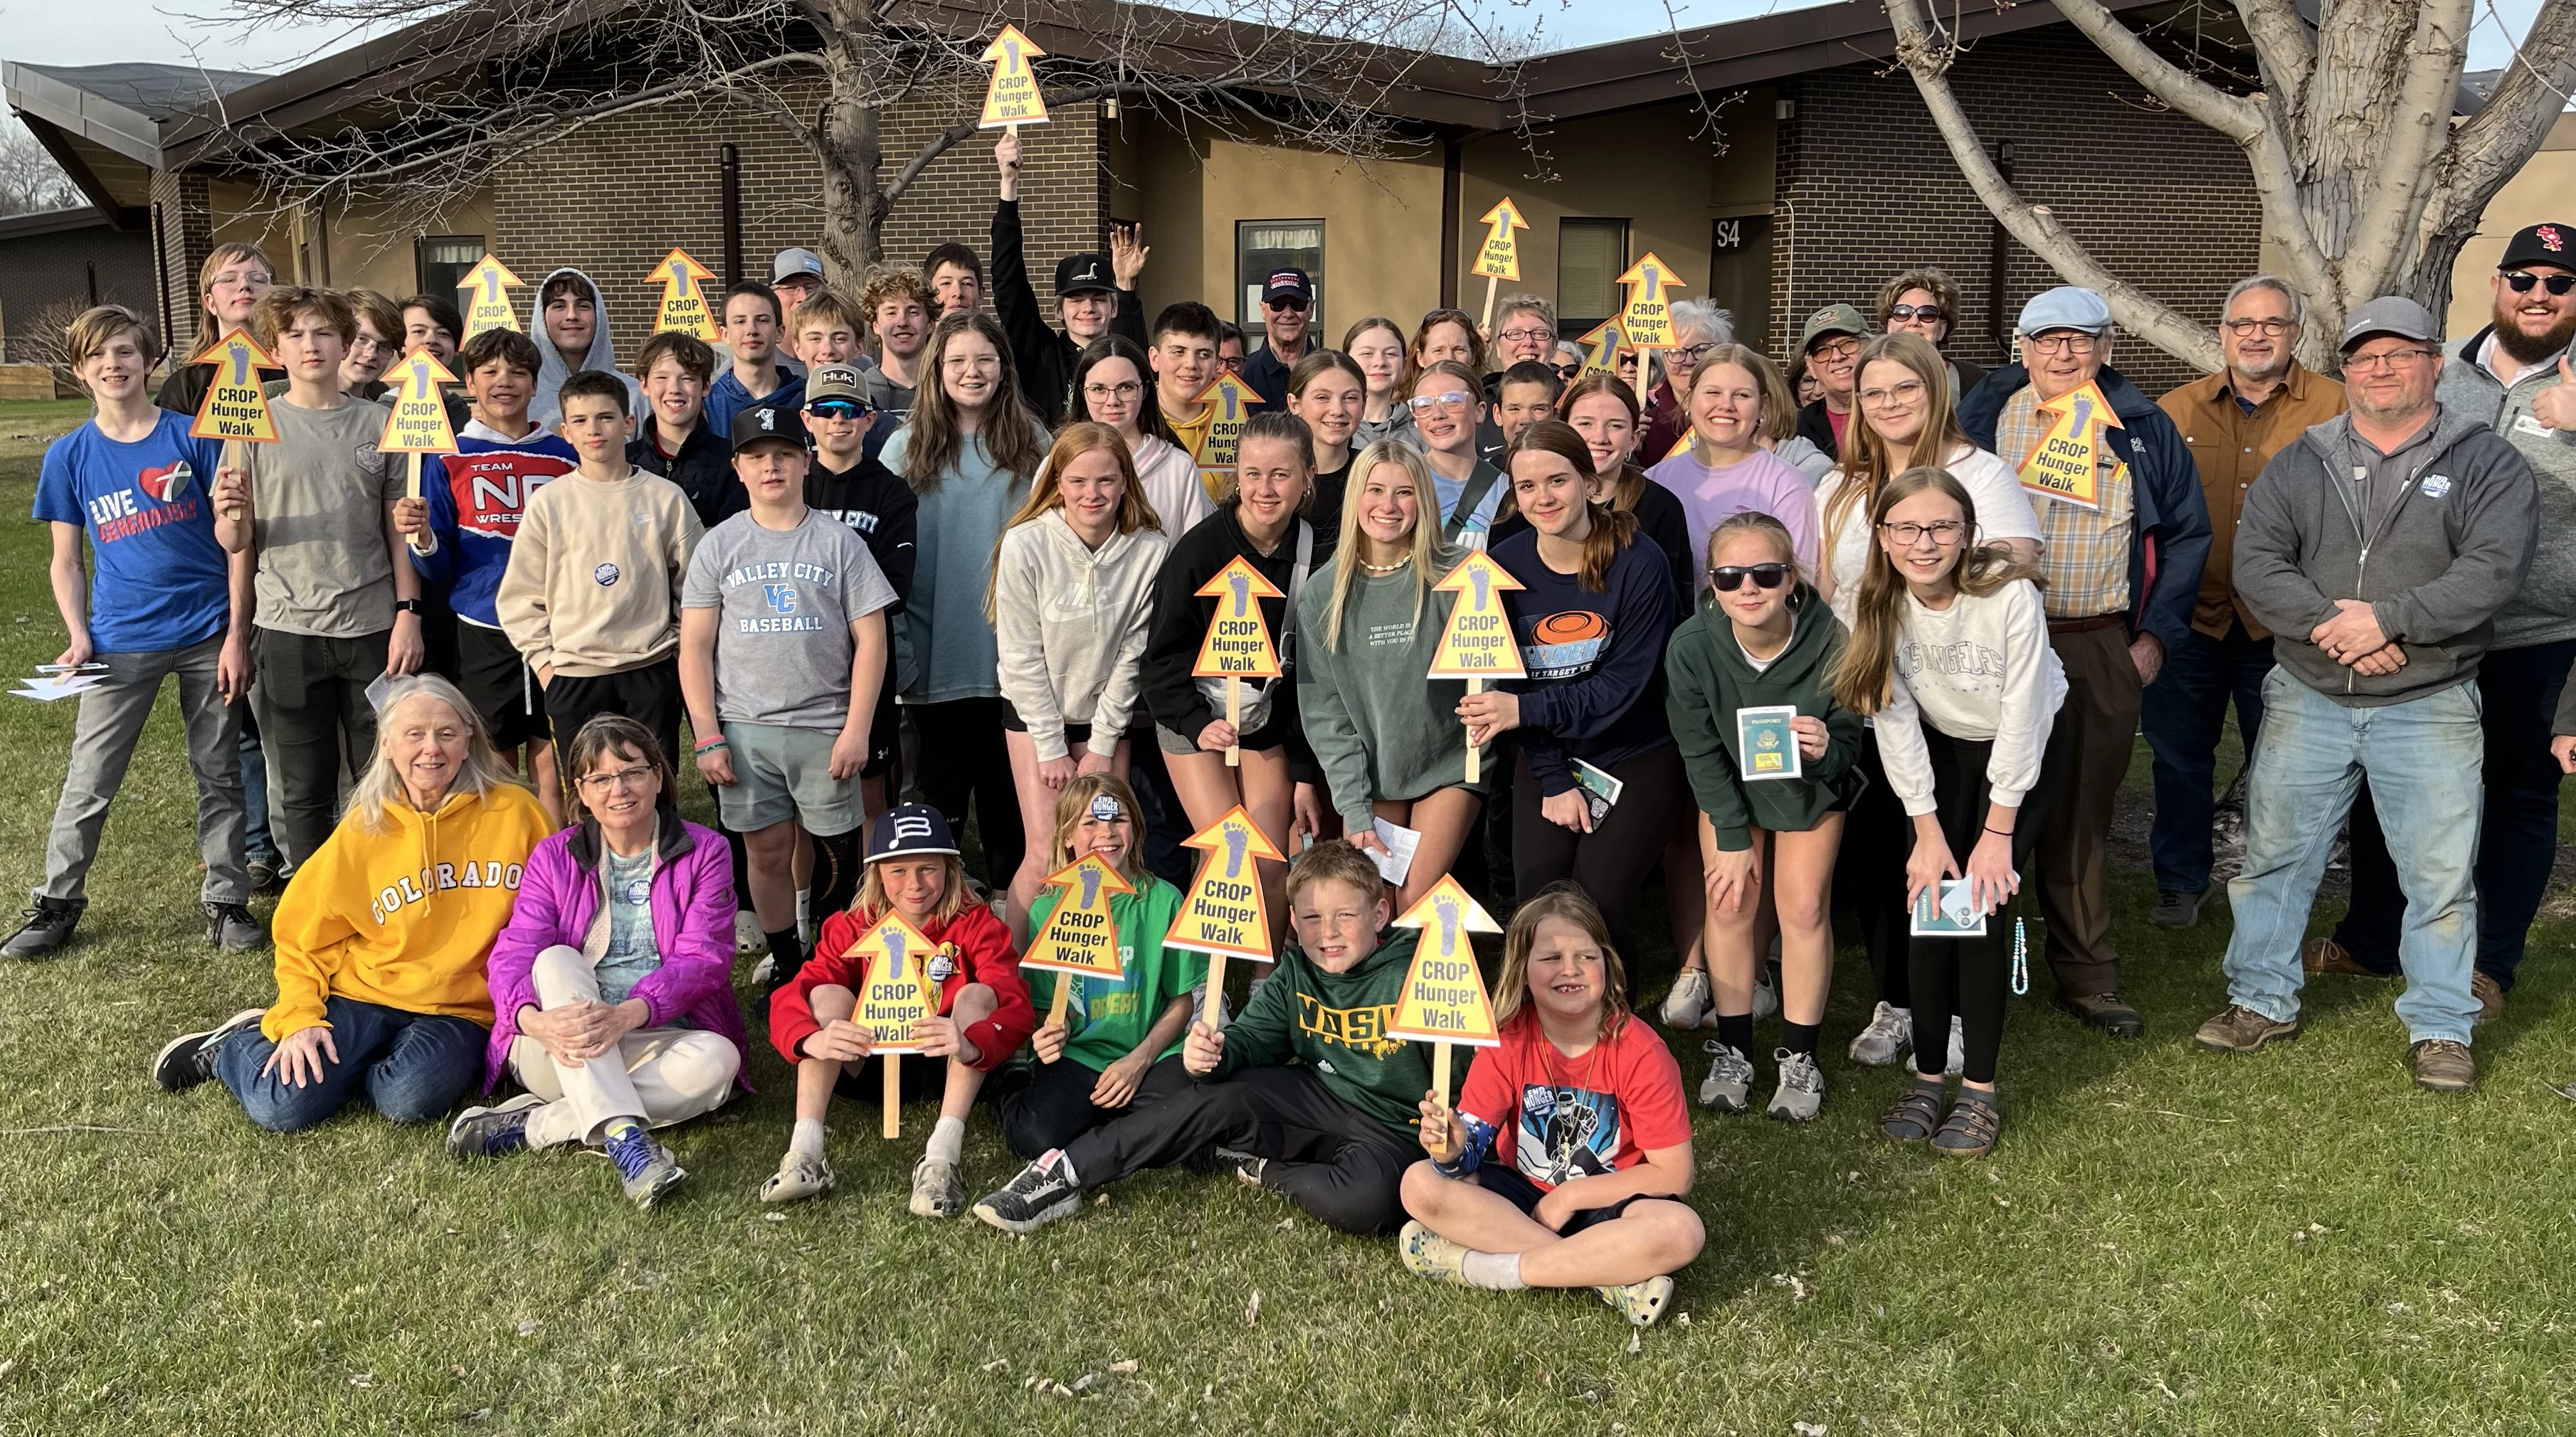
(2517, 840)
(2423, 757)
(413, 1066)
(2184, 711)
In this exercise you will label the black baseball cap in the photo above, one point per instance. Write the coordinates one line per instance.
(1287, 284)
(1082, 274)
(764, 422)
(2549, 244)
(909, 830)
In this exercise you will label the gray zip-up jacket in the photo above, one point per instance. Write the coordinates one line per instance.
(2451, 553)
(2545, 611)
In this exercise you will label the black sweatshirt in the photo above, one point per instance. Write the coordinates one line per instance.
(1044, 354)
(703, 469)
(1595, 689)
(1181, 620)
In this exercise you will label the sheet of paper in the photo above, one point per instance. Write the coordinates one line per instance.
(1955, 915)
(1766, 747)
(1600, 790)
(1397, 861)
(47, 689)
(376, 691)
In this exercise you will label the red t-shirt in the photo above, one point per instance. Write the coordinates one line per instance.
(1556, 1118)
(1842, 426)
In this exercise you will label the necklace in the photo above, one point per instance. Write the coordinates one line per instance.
(1386, 568)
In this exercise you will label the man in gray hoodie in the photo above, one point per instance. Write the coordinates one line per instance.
(2377, 548)
(570, 324)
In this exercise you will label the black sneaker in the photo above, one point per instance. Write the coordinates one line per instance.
(189, 1059)
(231, 927)
(2178, 910)
(1043, 1192)
(266, 873)
(48, 927)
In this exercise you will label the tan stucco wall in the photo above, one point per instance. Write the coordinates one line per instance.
(2545, 189)
(373, 249)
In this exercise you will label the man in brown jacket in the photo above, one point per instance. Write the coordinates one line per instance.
(2234, 421)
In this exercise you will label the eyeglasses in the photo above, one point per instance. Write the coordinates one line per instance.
(1840, 349)
(838, 409)
(626, 778)
(1098, 392)
(1926, 312)
(2521, 281)
(2389, 360)
(2270, 328)
(1230, 363)
(1425, 403)
(1289, 305)
(1693, 354)
(1730, 577)
(1524, 336)
(1943, 533)
(969, 364)
(1904, 392)
(2073, 343)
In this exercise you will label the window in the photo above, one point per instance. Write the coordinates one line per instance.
(1261, 246)
(444, 259)
(1590, 254)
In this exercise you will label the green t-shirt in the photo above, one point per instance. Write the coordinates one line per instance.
(1109, 1017)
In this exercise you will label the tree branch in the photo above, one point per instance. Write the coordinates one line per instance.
(2420, 123)
(2283, 46)
(2497, 140)
(2229, 115)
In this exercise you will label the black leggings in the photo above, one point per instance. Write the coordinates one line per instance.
(1339, 1164)
(1612, 862)
(1043, 1106)
(1869, 873)
(1971, 977)
(965, 760)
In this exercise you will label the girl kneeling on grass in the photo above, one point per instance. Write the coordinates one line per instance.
(612, 987)
(984, 1015)
(1565, 1161)
(1949, 649)
(1118, 1048)
(1767, 844)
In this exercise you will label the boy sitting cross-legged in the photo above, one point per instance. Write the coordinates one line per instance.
(1304, 1094)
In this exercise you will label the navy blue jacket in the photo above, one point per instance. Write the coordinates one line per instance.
(2169, 527)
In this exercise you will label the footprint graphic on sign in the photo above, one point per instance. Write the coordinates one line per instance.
(2083, 414)
(1478, 577)
(1241, 583)
(1090, 888)
(241, 366)
(1235, 840)
(1447, 908)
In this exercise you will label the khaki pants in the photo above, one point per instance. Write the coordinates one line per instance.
(2101, 719)
(658, 1076)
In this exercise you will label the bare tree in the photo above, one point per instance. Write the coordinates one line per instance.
(2367, 182)
(30, 181)
(828, 72)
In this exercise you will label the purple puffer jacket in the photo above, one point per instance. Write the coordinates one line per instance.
(693, 908)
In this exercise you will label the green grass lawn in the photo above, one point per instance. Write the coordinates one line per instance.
(2166, 1242)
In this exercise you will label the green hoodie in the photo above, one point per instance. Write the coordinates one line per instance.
(1379, 728)
(1708, 678)
(1109, 1017)
(1335, 1023)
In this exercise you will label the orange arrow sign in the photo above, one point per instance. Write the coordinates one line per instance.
(1500, 258)
(1444, 996)
(1648, 319)
(684, 296)
(1238, 643)
(235, 407)
(1012, 98)
(1477, 642)
(1078, 936)
(488, 285)
(418, 424)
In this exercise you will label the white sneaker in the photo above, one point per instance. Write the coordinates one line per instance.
(1729, 1085)
(1889, 1036)
(1801, 1094)
(1958, 1046)
(938, 1189)
(1766, 997)
(747, 937)
(799, 1176)
(1688, 1004)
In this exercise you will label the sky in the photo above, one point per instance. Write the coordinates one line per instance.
(175, 31)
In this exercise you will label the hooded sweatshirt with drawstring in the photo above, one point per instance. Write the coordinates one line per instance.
(403, 916)
(1070, 626)
(545, 406)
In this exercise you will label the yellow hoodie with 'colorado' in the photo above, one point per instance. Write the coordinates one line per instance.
(403, 916)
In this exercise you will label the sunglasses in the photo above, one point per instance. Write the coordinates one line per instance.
(2521, 281)
(1291, 304)
(1728, 578)
(838, 409)
(1916, 311)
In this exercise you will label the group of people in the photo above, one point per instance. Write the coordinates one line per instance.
(1891, 646)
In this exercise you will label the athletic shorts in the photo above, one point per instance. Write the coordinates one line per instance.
(1524, 1194)
(1076, 735)
(885, 733)
(922, 1080)
(782, 773)
(1261, 740)
(502, 688)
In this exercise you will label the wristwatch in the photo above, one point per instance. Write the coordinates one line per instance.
(407, 606)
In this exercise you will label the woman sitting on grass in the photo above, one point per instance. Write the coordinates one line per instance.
(1565, 1161)
(381, 938)
(612, 986)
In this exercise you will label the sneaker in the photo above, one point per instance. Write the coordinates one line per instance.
(1246, 1168)
(265, 874)
(1688, 1004)
(1971, 1129)
(1889, 1036)
(1956, 1060)
(747, 937)
(1766, 994)
(2178, 910)
(2324, 955)
(799, 1176)
(1041, 1193)
(938, 1189)
(48, 927)
(1729, 1085)
(493, 1132)
(765, 970)
(2490, 996)
(644, 1167)
(2104, 1011)
(1639, 1302)
(1428, 1253)
(2242, 1030)
(1802, 1087)
(2443, 1065)
(231, 927)
(189, 1059)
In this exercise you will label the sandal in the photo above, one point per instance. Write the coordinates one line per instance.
(1914, 1115)
(1971, 1129)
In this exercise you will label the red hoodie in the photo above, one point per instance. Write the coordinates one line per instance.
(976, 948)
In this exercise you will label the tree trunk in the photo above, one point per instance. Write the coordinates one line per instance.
(846, 139)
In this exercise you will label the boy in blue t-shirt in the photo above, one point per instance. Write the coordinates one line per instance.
(166, 600)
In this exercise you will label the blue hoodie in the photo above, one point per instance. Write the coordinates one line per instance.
(487, 482)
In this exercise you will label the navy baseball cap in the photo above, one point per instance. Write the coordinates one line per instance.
(762, 423)
(1287, 284)
(914, 828)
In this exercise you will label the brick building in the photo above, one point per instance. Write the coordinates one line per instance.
(1823, 174)
(65, 260)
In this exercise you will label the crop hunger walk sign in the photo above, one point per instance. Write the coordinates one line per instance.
(1012, 98)
(235, 409)
(1226, 912)
(1648, 318)
(1079, 938)
(1444, 996)
(1220, 445)
(418, 424)
(894, 996)
(1500, 258)
(486, 288)
(2068, 462)
(684, 296)
(1238, 644)
(1477, 644)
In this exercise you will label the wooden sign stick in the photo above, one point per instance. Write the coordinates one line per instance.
(1214, 1007)
(236, 456)
(1491, 282)
(1475, 751)
(1645, 361)
(1234, 722)
(414, 492)
(893, 1095)
(1440, 1071)
(1063, 1002)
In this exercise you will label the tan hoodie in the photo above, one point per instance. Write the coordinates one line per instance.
(593, 585)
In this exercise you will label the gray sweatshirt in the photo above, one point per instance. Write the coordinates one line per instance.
(2451, 553)
(1380, 728)
(2545, 611)
(1069, 624)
